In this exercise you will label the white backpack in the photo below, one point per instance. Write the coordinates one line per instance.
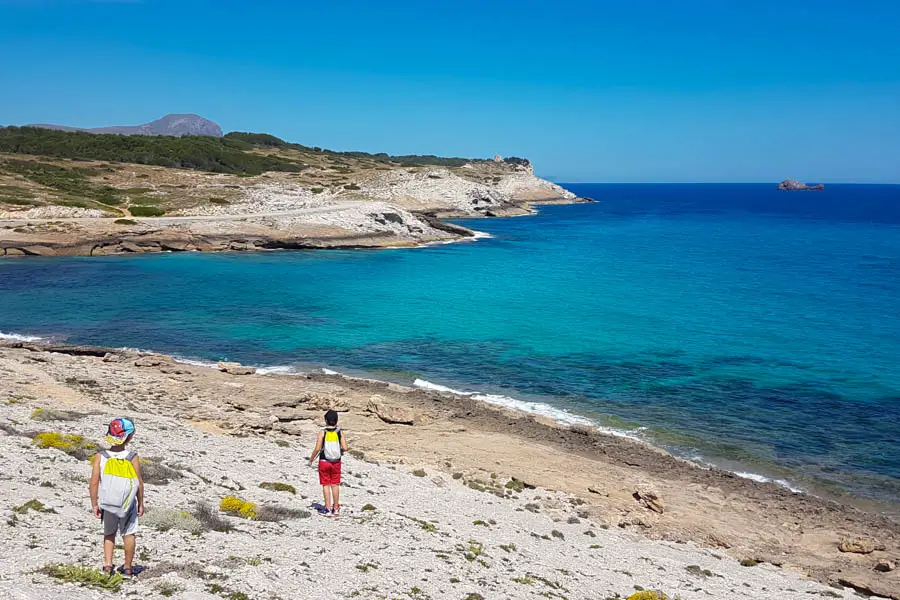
(118, 483)
(331, 446)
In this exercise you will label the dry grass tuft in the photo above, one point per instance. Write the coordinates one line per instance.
(273, 513)
(154, 471)
(211, 520)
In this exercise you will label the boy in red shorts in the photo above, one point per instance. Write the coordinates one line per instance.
(330, 447)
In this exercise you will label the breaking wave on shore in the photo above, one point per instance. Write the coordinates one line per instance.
(565, 417)
(541, 409)
(18, 337)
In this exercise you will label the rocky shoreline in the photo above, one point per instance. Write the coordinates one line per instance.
(617, 483)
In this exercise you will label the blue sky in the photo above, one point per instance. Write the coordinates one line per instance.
(695, 90)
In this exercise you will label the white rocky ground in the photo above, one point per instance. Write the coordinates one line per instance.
(428, 537)
(53, 212)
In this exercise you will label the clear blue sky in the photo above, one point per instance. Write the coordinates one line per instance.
(710, 90)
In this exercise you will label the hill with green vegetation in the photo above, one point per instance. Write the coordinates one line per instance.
(203, 153)
(238, 153)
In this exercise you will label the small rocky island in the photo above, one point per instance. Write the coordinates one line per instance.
(792, 185)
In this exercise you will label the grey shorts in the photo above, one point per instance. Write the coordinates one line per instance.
(127, 525)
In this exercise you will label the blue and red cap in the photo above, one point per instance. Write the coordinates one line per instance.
(119, 430)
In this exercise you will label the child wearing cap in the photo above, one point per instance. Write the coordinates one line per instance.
(330, 447)
(117, 493)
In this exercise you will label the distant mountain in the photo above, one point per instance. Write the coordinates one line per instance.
(177, 125)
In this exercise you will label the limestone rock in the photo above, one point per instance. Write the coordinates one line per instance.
(885, 566)
(319, 402)
(175, 246)
(292, 414)
(149, 361)
(39, 251)
(130, 247)
(290, 427)
(860, 546)
(391, 414)
(634, 521)
(234, 368)
(175, 370)
(112, 357)
(649, 499)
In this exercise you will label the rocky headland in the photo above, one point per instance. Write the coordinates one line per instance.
(247, 193)
(445, 496)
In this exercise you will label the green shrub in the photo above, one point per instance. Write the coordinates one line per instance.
(69, 181)
(278, 487)
(147, 211)
(167, 588)
(648, 595)
(203, 153)
(73, 445)
(233, 505)
(125, 222)
(84, 576)
(35, 505)
(217, 200)
(368, 507)
(51, 414)
(352, 186)
(317, 190)
(17, 200)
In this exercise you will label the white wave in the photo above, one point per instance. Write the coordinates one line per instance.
(427, 385)
(18, 337)
(329, 371)
(763, 479)
(276, 370)
(534, 408)
(196, 362)
(477, 235)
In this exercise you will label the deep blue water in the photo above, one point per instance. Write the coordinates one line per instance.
(756, 329)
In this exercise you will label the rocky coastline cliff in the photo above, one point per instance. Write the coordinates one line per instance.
(299, 198)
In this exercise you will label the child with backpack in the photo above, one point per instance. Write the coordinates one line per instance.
(117, 494)
(330, 447)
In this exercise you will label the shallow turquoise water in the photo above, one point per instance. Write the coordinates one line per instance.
(755, 329)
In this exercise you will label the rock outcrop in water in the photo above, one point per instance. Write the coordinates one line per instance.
(792, 185)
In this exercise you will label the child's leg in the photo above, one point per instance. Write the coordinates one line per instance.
(326, 490)
(336, 494)
(109, 546)
(129, 542)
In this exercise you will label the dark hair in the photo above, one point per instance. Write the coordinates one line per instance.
(331, 418)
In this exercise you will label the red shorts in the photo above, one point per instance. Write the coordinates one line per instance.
(329, 473)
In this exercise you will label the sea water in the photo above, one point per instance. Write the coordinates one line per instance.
(732, 324)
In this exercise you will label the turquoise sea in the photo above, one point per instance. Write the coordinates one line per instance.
(733, 324)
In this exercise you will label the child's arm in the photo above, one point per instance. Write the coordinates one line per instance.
(95, 486)
(315, 454)
(343, 442)
(136, 461)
